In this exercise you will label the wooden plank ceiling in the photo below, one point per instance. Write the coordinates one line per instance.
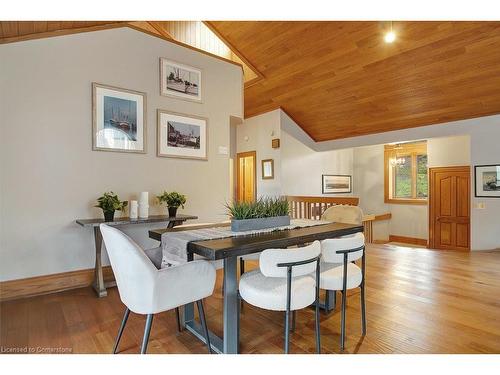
(340, 79)
(195, 34)
(11, 31)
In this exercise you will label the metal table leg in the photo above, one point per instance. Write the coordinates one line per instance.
(195, 328)
(231, 306)
(231, 327)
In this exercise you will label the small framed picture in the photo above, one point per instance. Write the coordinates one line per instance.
(268, 169)
(487, 181)
(336, 184)
(182, 136)
(118, 119)
(180, 81)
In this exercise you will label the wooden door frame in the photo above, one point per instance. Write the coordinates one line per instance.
(431, 174)
(240, 155)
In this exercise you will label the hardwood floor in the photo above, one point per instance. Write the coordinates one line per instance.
(418, 301)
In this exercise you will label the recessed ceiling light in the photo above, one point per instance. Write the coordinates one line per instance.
(390, 37)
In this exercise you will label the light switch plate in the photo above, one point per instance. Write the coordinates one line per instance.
(480, 205)
(223, 150)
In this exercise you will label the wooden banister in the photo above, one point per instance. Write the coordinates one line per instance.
(307, 207)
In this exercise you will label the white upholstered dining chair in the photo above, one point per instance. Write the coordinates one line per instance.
(343, 213)
(145, 289)
(341, 274)
(287, 280)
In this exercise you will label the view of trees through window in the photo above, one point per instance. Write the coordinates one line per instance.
(404, 181)
(402, 178)
(405, 177)
(422, 182)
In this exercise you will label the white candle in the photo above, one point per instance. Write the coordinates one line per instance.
(144, 198)
(133, 210)
(143, 210)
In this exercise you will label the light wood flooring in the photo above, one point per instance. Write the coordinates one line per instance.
(418, 301)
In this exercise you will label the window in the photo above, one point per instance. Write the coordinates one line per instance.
(406, 173)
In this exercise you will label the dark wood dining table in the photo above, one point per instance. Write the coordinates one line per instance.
(228, 250)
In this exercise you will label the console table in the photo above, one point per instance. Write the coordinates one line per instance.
(98, 284)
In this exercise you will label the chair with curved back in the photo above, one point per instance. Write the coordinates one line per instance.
(342, 213)
(344, 251)
(287, 280)
(145, 289)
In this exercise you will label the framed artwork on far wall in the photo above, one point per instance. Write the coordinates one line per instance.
(180, 81)
(118, 119)
(487, 181)
(336, 184)
(267, 169)
(182, 136)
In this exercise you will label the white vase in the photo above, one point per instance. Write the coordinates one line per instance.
(143, 210)
(144, 197)
(133, 210)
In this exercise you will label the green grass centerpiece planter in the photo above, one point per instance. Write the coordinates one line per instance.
(261, 214)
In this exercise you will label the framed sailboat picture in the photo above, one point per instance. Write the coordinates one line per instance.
(118, 119)
(180, 81)
(182, 136)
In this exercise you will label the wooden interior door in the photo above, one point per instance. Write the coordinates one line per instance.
(246, 176)
(449, 208)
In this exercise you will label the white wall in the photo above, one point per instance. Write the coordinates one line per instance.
(302, 168)
(256, 134)
(484, 133)
(468, 142)
(49, 175)
(407, 220)
(297, 168)
(448, 151)
(368, 173)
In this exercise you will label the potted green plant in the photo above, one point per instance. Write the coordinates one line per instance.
(109, 203)
(173, 200)
(263, 213)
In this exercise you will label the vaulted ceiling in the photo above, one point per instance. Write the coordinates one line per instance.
(340, 79)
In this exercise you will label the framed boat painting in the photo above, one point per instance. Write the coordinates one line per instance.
(336, 184)
(487, 181)
(118, 119)
(180, 81)
(182, 136)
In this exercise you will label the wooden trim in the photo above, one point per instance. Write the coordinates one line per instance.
(408, 240)
(385, 216)
(421, 202)
(54, 33)
(238, 157)
(233, 49)
(57, 282)
(161, 30)
(411, 149)
(183, 44)
(113, 25)
(352, 201)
